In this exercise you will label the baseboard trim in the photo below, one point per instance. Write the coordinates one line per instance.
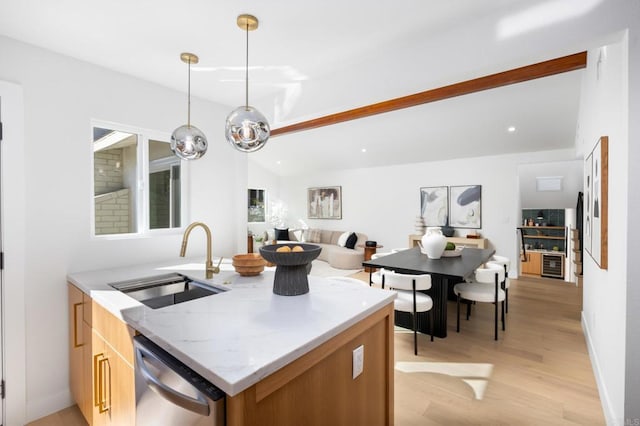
(607, 407)
(44, 406)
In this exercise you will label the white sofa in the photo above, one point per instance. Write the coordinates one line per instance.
(337, 256)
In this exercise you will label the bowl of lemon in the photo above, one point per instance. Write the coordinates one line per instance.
(291, 260)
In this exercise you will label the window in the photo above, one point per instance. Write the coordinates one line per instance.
(138, 185)
(257, 206)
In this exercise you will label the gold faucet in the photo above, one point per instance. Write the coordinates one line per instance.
(209, 268)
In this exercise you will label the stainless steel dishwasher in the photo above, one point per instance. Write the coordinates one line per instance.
(170, 393)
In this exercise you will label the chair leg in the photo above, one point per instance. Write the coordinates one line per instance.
(503, 310)
(458, 309)
(468, 309)
(496, 323)
(370, 277)
(431, 323)
(415, 336)
(506, 300)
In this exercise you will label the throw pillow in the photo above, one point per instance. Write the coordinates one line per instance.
(351, 241)
(342, 240)
(313, 236)
(282, 234)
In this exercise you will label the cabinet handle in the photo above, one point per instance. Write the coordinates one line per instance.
(105, 386)
(75, 325)
(101, 382)
(97, 380)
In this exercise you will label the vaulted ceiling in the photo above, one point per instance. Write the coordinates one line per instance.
(309, 59)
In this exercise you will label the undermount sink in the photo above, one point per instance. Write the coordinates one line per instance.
(164, 290)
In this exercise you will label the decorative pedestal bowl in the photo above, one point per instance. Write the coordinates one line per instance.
(291, 267)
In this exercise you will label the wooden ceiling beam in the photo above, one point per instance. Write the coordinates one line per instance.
(516, 75)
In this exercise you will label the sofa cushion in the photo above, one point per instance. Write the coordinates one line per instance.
(282, 234)
(350, 243)
(313, 236)
(342, 240)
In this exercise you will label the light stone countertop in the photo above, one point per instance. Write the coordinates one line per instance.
(237, 337)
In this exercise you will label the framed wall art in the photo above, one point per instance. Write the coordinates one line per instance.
(324, 202)
(598, 202)
(257, 206)
(434, 205)
(465, 206)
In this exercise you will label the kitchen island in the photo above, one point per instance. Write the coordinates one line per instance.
(280, 360)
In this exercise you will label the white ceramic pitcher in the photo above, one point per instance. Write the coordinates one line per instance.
(433, 243)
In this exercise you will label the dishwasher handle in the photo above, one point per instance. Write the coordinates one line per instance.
(198, 406)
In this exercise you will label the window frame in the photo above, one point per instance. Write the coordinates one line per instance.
(142, 188)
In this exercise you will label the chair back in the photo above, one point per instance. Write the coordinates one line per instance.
(405, 281)
(488, 275)
(501, 260)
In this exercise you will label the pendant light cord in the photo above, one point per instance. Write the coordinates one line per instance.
(246, 71)
(189, 94)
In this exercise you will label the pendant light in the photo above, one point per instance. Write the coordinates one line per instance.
(188, 142)
(246, 129)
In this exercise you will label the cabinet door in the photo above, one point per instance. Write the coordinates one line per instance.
(76, 345)
(113, 386)
(99, 373)
(80, 352)
(532, 265)
(536, 263)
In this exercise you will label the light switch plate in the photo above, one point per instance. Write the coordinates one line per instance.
(358, 361)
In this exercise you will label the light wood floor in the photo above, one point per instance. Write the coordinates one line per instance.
(538, 373)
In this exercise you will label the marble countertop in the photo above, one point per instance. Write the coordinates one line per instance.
(237, 337)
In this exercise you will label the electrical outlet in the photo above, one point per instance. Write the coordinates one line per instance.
(358, 361)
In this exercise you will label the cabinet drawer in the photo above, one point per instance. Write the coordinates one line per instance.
(115, 331)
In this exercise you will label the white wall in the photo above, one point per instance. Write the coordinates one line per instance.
(383, 202)
(571, 173)
(604, 112)
(61, 96)
(261, 178)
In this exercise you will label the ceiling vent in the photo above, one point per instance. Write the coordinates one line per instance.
(549, 183)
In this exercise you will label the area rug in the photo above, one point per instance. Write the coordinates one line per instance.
(320, 268)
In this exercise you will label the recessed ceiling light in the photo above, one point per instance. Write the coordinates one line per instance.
(364, 149)
(278, 162)
(511, 129)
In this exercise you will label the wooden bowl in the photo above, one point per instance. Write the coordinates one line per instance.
(248, 264)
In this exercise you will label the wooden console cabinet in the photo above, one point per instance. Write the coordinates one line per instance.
(467, 242)
(100, 363)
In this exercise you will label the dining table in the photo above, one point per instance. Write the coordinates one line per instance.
(444, 272)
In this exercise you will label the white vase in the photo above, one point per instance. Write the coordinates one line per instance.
(433, 243)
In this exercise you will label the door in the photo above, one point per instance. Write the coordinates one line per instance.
(1, 280)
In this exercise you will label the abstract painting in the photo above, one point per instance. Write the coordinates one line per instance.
(597, 202)
(324, 202)
(434, 205)
(465, 206)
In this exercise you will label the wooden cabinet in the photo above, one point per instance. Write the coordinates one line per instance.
(467, 242)
(318, 389)
(101, 362)
(80, 351)
(532, 265)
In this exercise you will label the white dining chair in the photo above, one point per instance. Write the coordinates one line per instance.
(376, 277)
(410, 298)
(486, 288)
(506, 264)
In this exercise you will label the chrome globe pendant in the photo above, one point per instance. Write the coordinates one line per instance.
(188, 142)
(246, 129)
